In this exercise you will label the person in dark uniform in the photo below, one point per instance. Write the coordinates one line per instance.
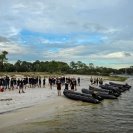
(44, 82)
(79, 81)
(75, 84)
(100, 81)
(40, 82)
(50, 83)
(11, 84)
(21, 86)
(72, 85)
(59, 87)
(66, 85)
(91, 80)
(97, 81)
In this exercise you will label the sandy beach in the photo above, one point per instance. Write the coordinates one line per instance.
(34, 104)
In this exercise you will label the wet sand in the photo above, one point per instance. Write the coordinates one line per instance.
(10, 121)
(46, 104)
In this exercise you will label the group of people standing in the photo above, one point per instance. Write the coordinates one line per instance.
(21, 84)
(68, 83)
(96, 81)
(37, 82)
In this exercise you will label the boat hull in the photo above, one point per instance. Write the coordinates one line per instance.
(79, 96)
(104, 95)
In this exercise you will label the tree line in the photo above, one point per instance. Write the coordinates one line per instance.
(57, 67)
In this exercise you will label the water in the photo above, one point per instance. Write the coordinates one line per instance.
(110, 116)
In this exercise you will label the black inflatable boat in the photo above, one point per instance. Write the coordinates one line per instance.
(79, 96)
(104, 95)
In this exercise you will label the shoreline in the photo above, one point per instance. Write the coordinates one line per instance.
(29, 114)
(13, 110)
(42, 102)
(35, 102)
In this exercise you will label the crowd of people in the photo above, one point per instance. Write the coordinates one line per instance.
(7, 83)
(20, 83)
(68, 83)
(38, 82)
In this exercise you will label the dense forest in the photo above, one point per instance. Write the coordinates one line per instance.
(57, 67)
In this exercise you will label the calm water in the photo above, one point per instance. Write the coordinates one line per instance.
(111, 116)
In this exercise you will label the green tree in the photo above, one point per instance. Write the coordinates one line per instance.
(73, 65)
(3, 59)
(91, 65)
(8, 67)
(36, 66)
(17, 66)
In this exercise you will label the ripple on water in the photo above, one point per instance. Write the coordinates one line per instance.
(109, 116)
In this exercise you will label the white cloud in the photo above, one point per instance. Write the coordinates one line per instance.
(12, 48)
(116, 55)
(13, 31)
(67, 54)
(62, 16)
(112, 20)
(92, 53)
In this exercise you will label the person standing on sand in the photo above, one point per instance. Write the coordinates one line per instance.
(79, 81)
(91, 80)
(66, 85)
(100, 81)
(21, 86)
(72, 85)
(40, 82)
(50, 83)
(44, 82)
(11, 84)
(94, 82)
(7, 82)
(59, 87)
(75, 84)
(97, 81)
(14, 83)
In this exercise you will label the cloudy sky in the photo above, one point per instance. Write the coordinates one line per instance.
(91, 31)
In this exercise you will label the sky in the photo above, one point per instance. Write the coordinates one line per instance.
(91, 31)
